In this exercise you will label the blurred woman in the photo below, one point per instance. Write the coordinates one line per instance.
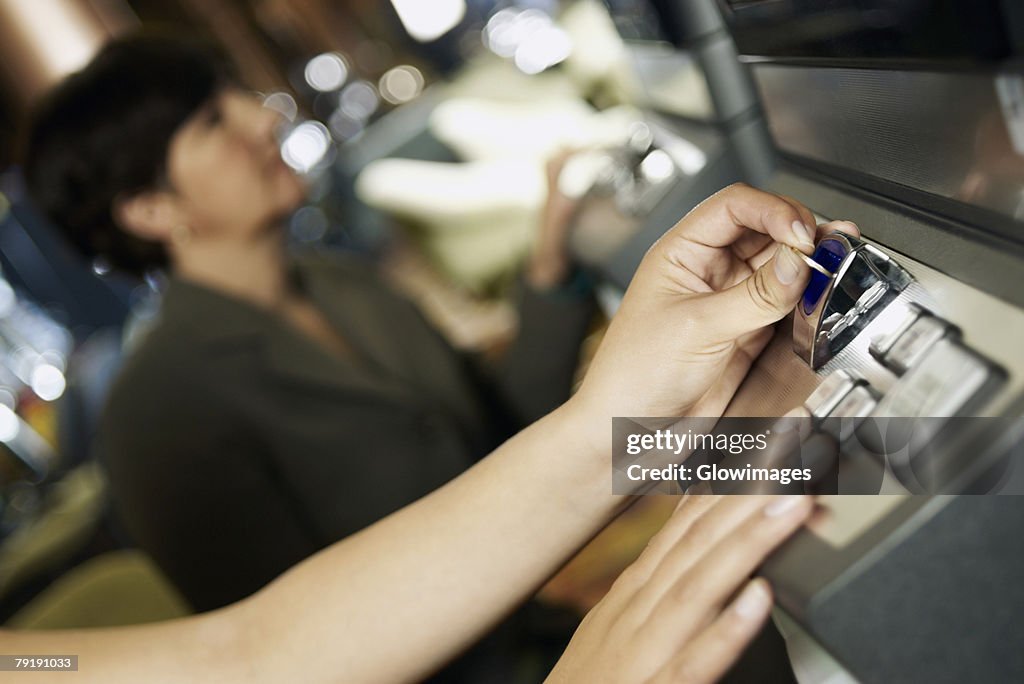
(283, 401)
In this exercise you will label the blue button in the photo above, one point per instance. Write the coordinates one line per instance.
(829, 253)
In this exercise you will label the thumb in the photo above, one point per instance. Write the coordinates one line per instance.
(766, 296)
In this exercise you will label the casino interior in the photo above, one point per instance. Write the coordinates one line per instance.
(504, 166)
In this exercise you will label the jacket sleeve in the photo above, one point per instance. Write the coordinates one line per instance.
(195, 493)
(536, 374)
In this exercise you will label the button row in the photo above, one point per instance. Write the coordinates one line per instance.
(939, 377)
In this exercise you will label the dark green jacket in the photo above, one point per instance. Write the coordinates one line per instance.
(236, 446)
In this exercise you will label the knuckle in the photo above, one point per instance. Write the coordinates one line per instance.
(686, 671)
(752, 540)
(751, 531)
(703, 528)
(762, 294)
(683, 593)
(732, 190)
(782, 212)
(631, 579)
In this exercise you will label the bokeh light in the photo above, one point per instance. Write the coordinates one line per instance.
(306, 146)
(428, 21)
(10, 424)
(359, 100)
(326, 72)
(309, 224)
(282, 103)
(529, 37)
(401, 84)
(47, 381)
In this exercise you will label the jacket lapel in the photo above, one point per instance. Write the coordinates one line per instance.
(390, 335)
(290, 357)
(372, 319)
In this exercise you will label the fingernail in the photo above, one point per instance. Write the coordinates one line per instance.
(804, 235)
(753, 601)
(783, 505)
(787, 265)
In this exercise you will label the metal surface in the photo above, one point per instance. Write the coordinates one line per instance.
(962, 251)
(835, 308)
(883, 344)
(780, 381)
(908, 347)
(931, 167)
(945, 134)
(941, 384)
(832, 390)
(823, 568)
(856, 405)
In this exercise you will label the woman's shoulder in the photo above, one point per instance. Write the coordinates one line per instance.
(173, 365)
(158, 368)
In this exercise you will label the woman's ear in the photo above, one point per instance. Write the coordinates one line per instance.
(150, 215)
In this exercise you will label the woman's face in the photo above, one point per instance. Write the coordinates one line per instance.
(225, 166)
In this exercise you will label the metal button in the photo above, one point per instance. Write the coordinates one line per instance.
(834, 309)
(910, 347)
(857, 405)
(832, 390)
(941, 384)
(881, 344)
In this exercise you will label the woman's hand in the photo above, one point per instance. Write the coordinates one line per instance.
(700, 307)
(686, 609)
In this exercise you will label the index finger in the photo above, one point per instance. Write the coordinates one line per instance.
(729, 214)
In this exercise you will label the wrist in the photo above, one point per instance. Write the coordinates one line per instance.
(587, 434)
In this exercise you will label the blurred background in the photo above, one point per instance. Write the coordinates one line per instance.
(423, 128)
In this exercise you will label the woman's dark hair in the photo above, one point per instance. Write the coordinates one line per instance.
(103, 135)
